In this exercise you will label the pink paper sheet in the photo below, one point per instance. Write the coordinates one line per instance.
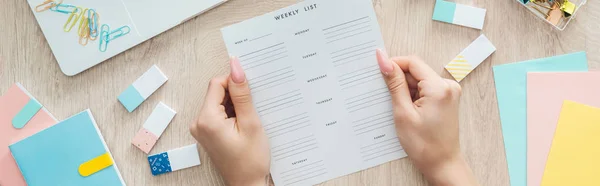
(10, 104)
(545, 95)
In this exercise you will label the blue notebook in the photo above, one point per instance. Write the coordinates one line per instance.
(72, 152)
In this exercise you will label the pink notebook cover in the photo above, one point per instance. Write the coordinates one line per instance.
(545, 95)
(11, 103)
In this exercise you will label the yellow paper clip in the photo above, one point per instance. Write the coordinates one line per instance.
(46, 5)
(94, 165)
(84, 33)
(83, 24)
(72, 19)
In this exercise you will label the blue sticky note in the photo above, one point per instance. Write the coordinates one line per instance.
(159, 163)
(131, 98)
(511, 91)
(31, 108)
(53, 156)
(444, 11)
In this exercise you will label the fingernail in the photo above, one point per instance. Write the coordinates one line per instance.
(237, 73)
(383, 60)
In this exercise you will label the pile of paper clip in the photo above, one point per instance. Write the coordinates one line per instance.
(88, 23)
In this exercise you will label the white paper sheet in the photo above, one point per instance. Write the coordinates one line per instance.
(318, 89)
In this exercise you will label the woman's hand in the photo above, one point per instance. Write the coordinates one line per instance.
(230, 131)
(426, 117)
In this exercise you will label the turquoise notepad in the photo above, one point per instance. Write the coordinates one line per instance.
(511, 90)
(54, 155)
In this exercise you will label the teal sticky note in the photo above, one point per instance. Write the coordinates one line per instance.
(444, 11)
(31, 108)
(511, 91)
(131, 98)
(53, 156)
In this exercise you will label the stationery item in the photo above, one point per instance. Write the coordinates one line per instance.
(568, 8)
(146, 19)
(459, 14)
(107, 35)
(317, 88)
(46, 5)
(558, 17)
(545, 95)
(174, 160)
(72, 152)
(470, 58)
(573, 158)
(154, 126)
(142, 88)
(21, 115)
(511, 91)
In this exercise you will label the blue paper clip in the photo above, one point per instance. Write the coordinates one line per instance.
(119, 32)
(63, 8)
(93, 23)
(104, 37)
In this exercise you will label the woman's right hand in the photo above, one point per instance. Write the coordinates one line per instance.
(426, 118)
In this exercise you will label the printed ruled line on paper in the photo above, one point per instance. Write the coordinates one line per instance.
(364, 74)
(290, 172)
(264, 53)
(311, 168)
(254, 52)
(394, 150)
(308, 176)
(361, 97)
(260, 37)
(278, 127)
(368, 93)
(347, 27)
(359, 45)
(379, 125)
(372, 104)
(289, 130)
(374, 145)
(342, 24)
(374, 118)
(283, 120)
(349, 36)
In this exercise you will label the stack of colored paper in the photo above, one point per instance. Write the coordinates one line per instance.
(36, 150)
(549, 126)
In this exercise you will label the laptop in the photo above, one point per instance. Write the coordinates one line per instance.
(145, 19)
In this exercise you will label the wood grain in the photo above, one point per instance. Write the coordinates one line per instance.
(193, 52)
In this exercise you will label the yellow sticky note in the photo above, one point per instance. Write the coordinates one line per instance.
(574, 157)
(94, 165)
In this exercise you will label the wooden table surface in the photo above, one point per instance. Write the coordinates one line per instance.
(193, 52)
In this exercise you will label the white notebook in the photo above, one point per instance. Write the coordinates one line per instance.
(318, 89)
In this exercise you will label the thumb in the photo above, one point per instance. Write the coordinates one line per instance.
(396, 82)
(239, 92)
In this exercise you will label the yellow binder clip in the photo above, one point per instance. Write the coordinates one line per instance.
(568, 8)
(75, 14)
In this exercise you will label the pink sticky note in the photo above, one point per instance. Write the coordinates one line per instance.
(11, 103)
(546, 93)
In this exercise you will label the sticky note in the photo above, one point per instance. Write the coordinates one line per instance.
(459, 14)
(174, 160)
(94, 165)
(154, 126)
(26, 113)
(54, 156)
(574, 155)
(142, 88)
(470, 58)
(511, 92)
(546, 93)
(12, 103)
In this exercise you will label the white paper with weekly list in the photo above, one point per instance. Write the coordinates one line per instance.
(318, 89)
